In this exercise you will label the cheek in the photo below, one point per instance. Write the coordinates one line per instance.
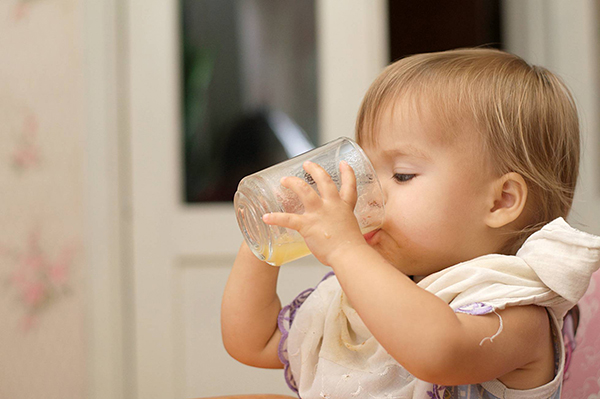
(428, 216)
(464, 202)
(413, 221)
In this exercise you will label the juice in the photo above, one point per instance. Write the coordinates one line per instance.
(286, 249)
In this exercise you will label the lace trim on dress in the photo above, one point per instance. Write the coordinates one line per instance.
(284, 322)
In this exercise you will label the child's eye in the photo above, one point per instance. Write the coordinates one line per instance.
(403, 177)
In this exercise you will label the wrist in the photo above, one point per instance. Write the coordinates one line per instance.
(247, 260)
(350, 251)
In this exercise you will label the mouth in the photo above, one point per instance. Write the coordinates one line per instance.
(369, 236)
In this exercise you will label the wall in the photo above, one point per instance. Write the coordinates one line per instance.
(563, 37)
(42, 335)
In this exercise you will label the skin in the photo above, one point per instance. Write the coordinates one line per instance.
(444, 205)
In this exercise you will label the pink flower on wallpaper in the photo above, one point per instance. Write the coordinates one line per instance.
(27, 152)
(38, 280)
(22, 8)
(33, 293)
(59, 274)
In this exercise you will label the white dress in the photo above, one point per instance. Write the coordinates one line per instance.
(329, 353)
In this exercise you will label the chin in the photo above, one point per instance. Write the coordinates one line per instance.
(391, 252)
(390, 257)
(408, 267)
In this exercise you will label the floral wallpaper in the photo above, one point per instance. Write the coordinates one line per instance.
(36, 280)
(41, 190)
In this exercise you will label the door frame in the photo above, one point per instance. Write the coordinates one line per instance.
(108, 313)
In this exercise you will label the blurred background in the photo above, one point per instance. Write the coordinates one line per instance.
(125, 128)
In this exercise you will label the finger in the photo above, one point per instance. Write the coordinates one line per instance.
(348, 189)
(309, 197)
(289, 220)
(325, 184)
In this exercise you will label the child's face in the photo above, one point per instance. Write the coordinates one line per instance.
(437, 193)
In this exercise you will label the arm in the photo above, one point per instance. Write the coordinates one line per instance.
(415, 327)
(249, 312)
(425, 335)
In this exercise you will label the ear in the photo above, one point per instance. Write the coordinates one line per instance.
(508, 198)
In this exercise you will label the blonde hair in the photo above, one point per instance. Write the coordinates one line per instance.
(526, 117)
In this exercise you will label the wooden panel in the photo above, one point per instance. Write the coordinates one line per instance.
(430, 25)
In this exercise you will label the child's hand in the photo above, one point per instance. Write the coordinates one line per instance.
(328, 224)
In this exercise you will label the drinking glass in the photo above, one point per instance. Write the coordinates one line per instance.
(262, 193)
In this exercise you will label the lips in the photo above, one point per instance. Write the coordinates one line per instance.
(369, 236)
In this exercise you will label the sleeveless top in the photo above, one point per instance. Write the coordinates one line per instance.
(329, 353)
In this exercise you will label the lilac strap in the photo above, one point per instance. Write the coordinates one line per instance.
(478, 309)
(475, 309)
(287, 314)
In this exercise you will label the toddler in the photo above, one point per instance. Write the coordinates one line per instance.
(462, 291)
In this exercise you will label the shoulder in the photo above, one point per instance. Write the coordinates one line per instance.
(520, 323)
(536, 342)
(494, 345)
(532, 319)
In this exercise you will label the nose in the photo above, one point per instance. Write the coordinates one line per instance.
(383, 187)
(384, 193)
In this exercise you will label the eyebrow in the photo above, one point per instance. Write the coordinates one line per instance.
(407, 151)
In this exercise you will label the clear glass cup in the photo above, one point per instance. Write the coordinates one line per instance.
(262, 193)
